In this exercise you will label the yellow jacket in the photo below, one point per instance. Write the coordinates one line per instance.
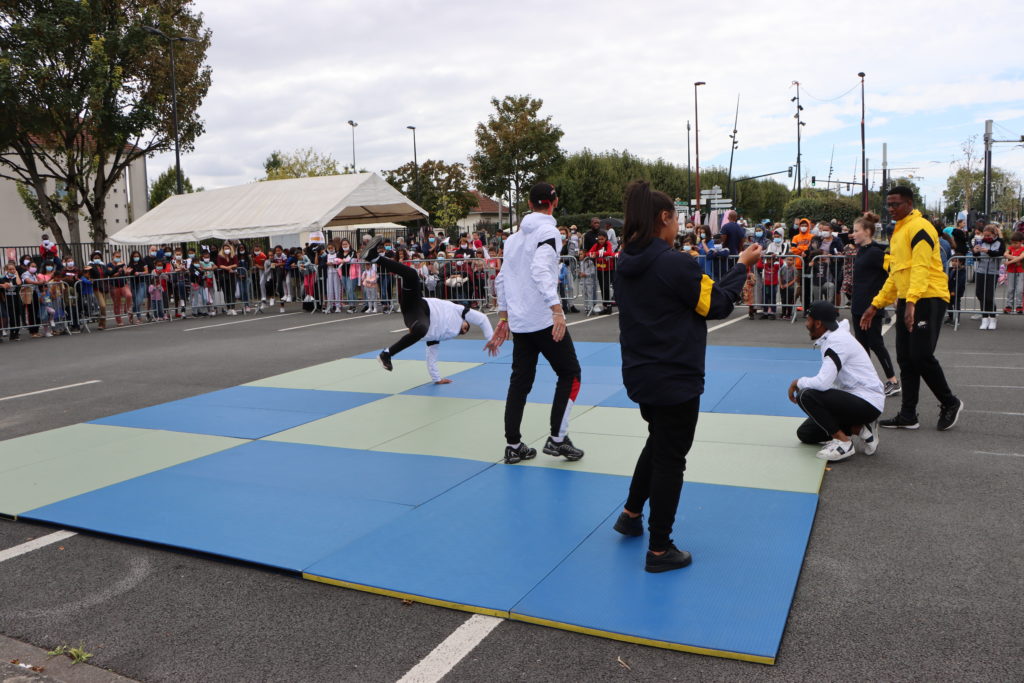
(915, 264)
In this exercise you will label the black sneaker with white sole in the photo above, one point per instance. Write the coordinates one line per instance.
(369, 252)
(385, 360)
(519, 453)
(629, 526)
(948, 415)
(673, 558)
(892, 388)
(562, 448)
(899, 422)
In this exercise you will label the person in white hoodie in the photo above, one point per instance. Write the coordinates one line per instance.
(846, 397)
(529, 308)
(432, 320)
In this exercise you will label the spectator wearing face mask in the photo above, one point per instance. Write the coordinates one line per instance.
(120, 292)
(135, 270)
(11, 310)
(179, 284)
(47, 250)
(96, 272)
(988, 254)
(227, 263)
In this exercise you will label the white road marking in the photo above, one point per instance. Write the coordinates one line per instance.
(451, 651)
(43, 391)
(992, 386)
(994, 412)
(239, 322)
(590, 318)
(1015, 455)
(35, 544)
(886, 328)
(329, 322)
(728, 322)
(138, 569)
(989, 367)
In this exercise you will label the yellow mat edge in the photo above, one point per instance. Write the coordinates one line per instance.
(408, 596)
(663, 644)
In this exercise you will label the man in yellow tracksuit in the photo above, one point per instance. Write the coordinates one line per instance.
(920, 289)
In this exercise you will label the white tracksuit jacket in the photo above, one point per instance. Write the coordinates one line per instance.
(527, 285)
(446, 323)
(845, 366)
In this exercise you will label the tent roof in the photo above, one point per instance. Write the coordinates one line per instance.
(273, 207)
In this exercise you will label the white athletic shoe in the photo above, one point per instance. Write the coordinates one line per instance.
(992, 323)
(984, 324)
(836, 450)
(869, 436)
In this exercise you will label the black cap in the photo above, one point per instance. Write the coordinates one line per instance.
(825, 312)
(542, 192)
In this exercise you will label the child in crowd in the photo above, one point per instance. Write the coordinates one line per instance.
(769, 266)
(788, 278)
(371, 289)
(307, 269)
(156, 291)
(207, 269)
(1015, 275)
(988, 255)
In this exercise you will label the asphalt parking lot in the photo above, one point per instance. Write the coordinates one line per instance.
(913, 570)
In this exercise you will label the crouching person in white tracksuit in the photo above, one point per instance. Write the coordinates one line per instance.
(432, 320)
(846, 397)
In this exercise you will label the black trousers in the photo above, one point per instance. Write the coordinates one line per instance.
(526, 348)
(658, 476)
(915, 353)
(831, 411)
(415, 312)
(957, 287)
(604, 280)
(871, 340)
(985, 288)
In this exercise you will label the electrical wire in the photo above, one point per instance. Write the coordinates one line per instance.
(832, 99)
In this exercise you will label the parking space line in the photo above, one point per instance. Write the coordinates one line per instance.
(590, 318)
(330, 322)
(43, 391)
(1014, 455)
(452, 650)
(239, 322)
(35, 544)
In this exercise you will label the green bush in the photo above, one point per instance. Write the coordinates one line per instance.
(582, 220)
(821, 209)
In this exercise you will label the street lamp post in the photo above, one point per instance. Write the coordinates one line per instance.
(353, 124)
(415, 167)
(689, 182)
(171, 40)
(799, 123)
(863, 151)
(696, 141)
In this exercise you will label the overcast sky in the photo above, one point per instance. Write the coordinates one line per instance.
(612, 75)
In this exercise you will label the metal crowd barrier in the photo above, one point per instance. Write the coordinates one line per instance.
(996, 291)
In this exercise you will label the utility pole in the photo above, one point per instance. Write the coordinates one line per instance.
(831, 167)
(732, 148)
(988, 169)
(885, 182)
(863, 149)
(689, 183)
(696, 140)
(799, 123)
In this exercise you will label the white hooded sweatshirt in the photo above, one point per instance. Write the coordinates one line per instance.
(527, 285)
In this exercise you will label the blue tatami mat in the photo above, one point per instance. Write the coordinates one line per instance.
(483, 545)
(760, 393)
(244, 412)
(748, 546)
(717, 384)
(279, 527)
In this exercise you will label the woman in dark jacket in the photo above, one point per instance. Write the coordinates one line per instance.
(869, 274)
(664, 300)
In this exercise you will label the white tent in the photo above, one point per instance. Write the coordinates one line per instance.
(274, 207)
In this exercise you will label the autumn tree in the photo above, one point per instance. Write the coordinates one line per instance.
(87, 91)
(302, 163)
(165, 185)
(441, 189)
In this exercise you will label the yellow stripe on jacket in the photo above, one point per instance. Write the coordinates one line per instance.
(704, 300)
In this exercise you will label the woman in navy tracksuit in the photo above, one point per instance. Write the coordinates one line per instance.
(664, 300)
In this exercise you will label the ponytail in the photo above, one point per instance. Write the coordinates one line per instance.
(642, 208)
(869, 221)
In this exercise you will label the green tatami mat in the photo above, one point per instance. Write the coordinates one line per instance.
(373, 424)
(83, 469)
(361, 374)
(42, 446)
(475, 434)
(782, 468)
(749, 429)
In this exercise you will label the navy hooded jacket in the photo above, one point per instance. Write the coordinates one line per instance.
(664, 301)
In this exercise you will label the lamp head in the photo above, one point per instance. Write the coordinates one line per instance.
(699, 83)
(154, 30)
(861, 74)
(352, 123)
(411, 127)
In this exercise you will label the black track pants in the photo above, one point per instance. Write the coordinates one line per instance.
(831, 411)
(526, 347)
(915, 353)
(415, 312)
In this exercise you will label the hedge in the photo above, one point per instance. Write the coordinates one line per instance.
(821, 209)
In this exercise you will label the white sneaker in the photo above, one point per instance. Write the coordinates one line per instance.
(992, 323)
(282, 309)
(271, 301)
(984, 324)
(306, 299)
(869, 436)
(976, 316)
(836, 450)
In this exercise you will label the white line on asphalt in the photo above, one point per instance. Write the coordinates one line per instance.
(992, 386)
(590, 318)
(727, 323)
(994, 412)
(989, 367)
(1015, 455)
(43, 391)
(329, 322)
(40, 542)
(239, 322)
(450, 652)
(886, 328)
(988, 353)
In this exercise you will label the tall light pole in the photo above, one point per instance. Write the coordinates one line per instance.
(863, 151)
(799, 123)
(689, 181)
(353, 124)
(171, 40)
(696, 141)
(735, 144)
(415, 167)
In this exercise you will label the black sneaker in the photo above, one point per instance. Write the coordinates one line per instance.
(521, 452)
(629, 526)
(369, 252)
(673, 558)
(563, 448)
(385, 360)
(892, 388)
(899, 422)
(948, 415)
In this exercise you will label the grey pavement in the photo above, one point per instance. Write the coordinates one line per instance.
(914, 569)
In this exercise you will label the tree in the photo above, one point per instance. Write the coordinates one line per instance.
(515, 147)
(441, 189)
(165, 185)
(846, 209)
(86, 92)
(969, 186)
(302, 163)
